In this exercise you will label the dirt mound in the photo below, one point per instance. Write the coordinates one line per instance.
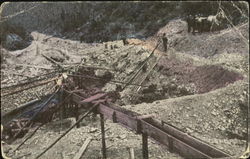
(205, 78)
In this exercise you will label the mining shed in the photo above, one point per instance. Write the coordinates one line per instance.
(67, 74)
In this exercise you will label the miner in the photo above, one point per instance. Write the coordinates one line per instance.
(124, 41)
(189, 22)
(81, 38)
(165, 42)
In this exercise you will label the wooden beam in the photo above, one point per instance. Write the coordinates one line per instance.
(80, 153)
(131, 153)
(77, 114)
(104, 155)
(145, 145)
(52, 61)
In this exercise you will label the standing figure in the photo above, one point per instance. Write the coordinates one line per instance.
(124, 40)
(81, 38)
(200, 23)
(191, 23)
(165, 42)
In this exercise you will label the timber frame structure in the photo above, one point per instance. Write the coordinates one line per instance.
(167, 135)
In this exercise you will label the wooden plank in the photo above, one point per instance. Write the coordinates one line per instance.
(121, 118)
(52, 61)
(166, 139)
(93, 98)
(80, 153)
(146, 116)
(198, 144)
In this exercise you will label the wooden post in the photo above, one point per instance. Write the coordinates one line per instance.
(61, 107)
(103, 137)
(64, 114)
(131, 153)
(114, 117)
(145, 145)
(80, 83)
(77, 114)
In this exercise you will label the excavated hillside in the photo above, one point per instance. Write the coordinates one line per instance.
(96, 21)
(200, 85)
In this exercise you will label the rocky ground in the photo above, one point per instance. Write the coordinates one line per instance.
(201, 91)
